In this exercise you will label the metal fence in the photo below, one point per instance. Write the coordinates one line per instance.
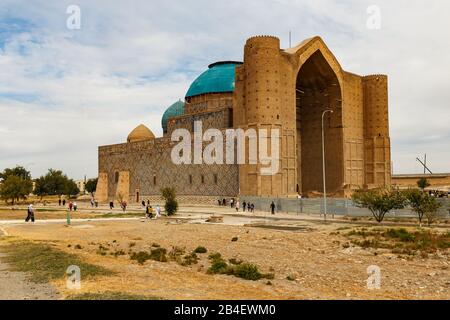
(339, 207)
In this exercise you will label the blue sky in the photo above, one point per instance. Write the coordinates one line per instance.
(64, 92)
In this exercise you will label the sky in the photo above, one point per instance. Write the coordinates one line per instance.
(64, 92)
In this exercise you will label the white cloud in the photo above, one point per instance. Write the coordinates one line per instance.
(64, 92)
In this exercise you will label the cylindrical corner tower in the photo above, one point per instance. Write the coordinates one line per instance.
(262, 84)
(261, 97)
(376, 132)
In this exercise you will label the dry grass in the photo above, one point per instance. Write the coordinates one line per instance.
(45, 263)
(401, 240)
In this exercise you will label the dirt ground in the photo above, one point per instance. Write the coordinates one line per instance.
(311, 254)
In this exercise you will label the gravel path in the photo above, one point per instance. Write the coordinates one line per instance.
(17, 286)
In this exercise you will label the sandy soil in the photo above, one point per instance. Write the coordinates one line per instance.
(321, 266)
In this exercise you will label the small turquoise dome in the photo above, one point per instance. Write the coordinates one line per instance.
(218, 78)
(175, 110)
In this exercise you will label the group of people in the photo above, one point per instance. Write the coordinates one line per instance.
(94, 203)
(72, 205)
(123, 205)
(246, 206)
(149, 210)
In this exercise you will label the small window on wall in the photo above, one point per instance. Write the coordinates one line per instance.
(154, 180)
(203, 179)
(190, 179)
(116, 177)
(216, 180)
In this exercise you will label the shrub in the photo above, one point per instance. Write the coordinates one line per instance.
(215, 256)
(171, 205)
(247, 271)
(218, 267)
(159, 254)
(401, 234)
(119, 253)
(290, 278)
(78, 247)
(200, 249)
(234, 239)
(155, 245)
(141, 257)
(423, 183)
(176, 253)
(190, 259)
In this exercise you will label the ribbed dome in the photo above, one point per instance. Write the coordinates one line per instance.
(140, 133)
(220, 77)
(175, 110)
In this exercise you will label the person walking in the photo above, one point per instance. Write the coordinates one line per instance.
(30, 215)
(158, 211)
(111, 205)
(124, 206)
(272, 207)
(59, 202)
(64, 202)
(244, 206)
(96, 203)
(253, 207)
(92, 202)
(75, 206)
(143, 203)
(70, 206)
(237, 206)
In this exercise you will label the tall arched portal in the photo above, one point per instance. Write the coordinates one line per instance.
(318, 89)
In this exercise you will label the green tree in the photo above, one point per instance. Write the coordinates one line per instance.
(424, 205)
(40, 187)
(55, 183)
(18, 171)
(423, 183)
(380, 201)
(71, 188)
(15, 188)
(91, 186)
(171, 205)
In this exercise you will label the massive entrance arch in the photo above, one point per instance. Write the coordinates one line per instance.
(288, 90)
(318, 89)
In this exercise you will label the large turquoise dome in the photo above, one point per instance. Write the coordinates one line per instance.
(219, 78)
(175, 110)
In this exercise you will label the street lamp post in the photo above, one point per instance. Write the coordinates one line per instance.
(323, 167)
